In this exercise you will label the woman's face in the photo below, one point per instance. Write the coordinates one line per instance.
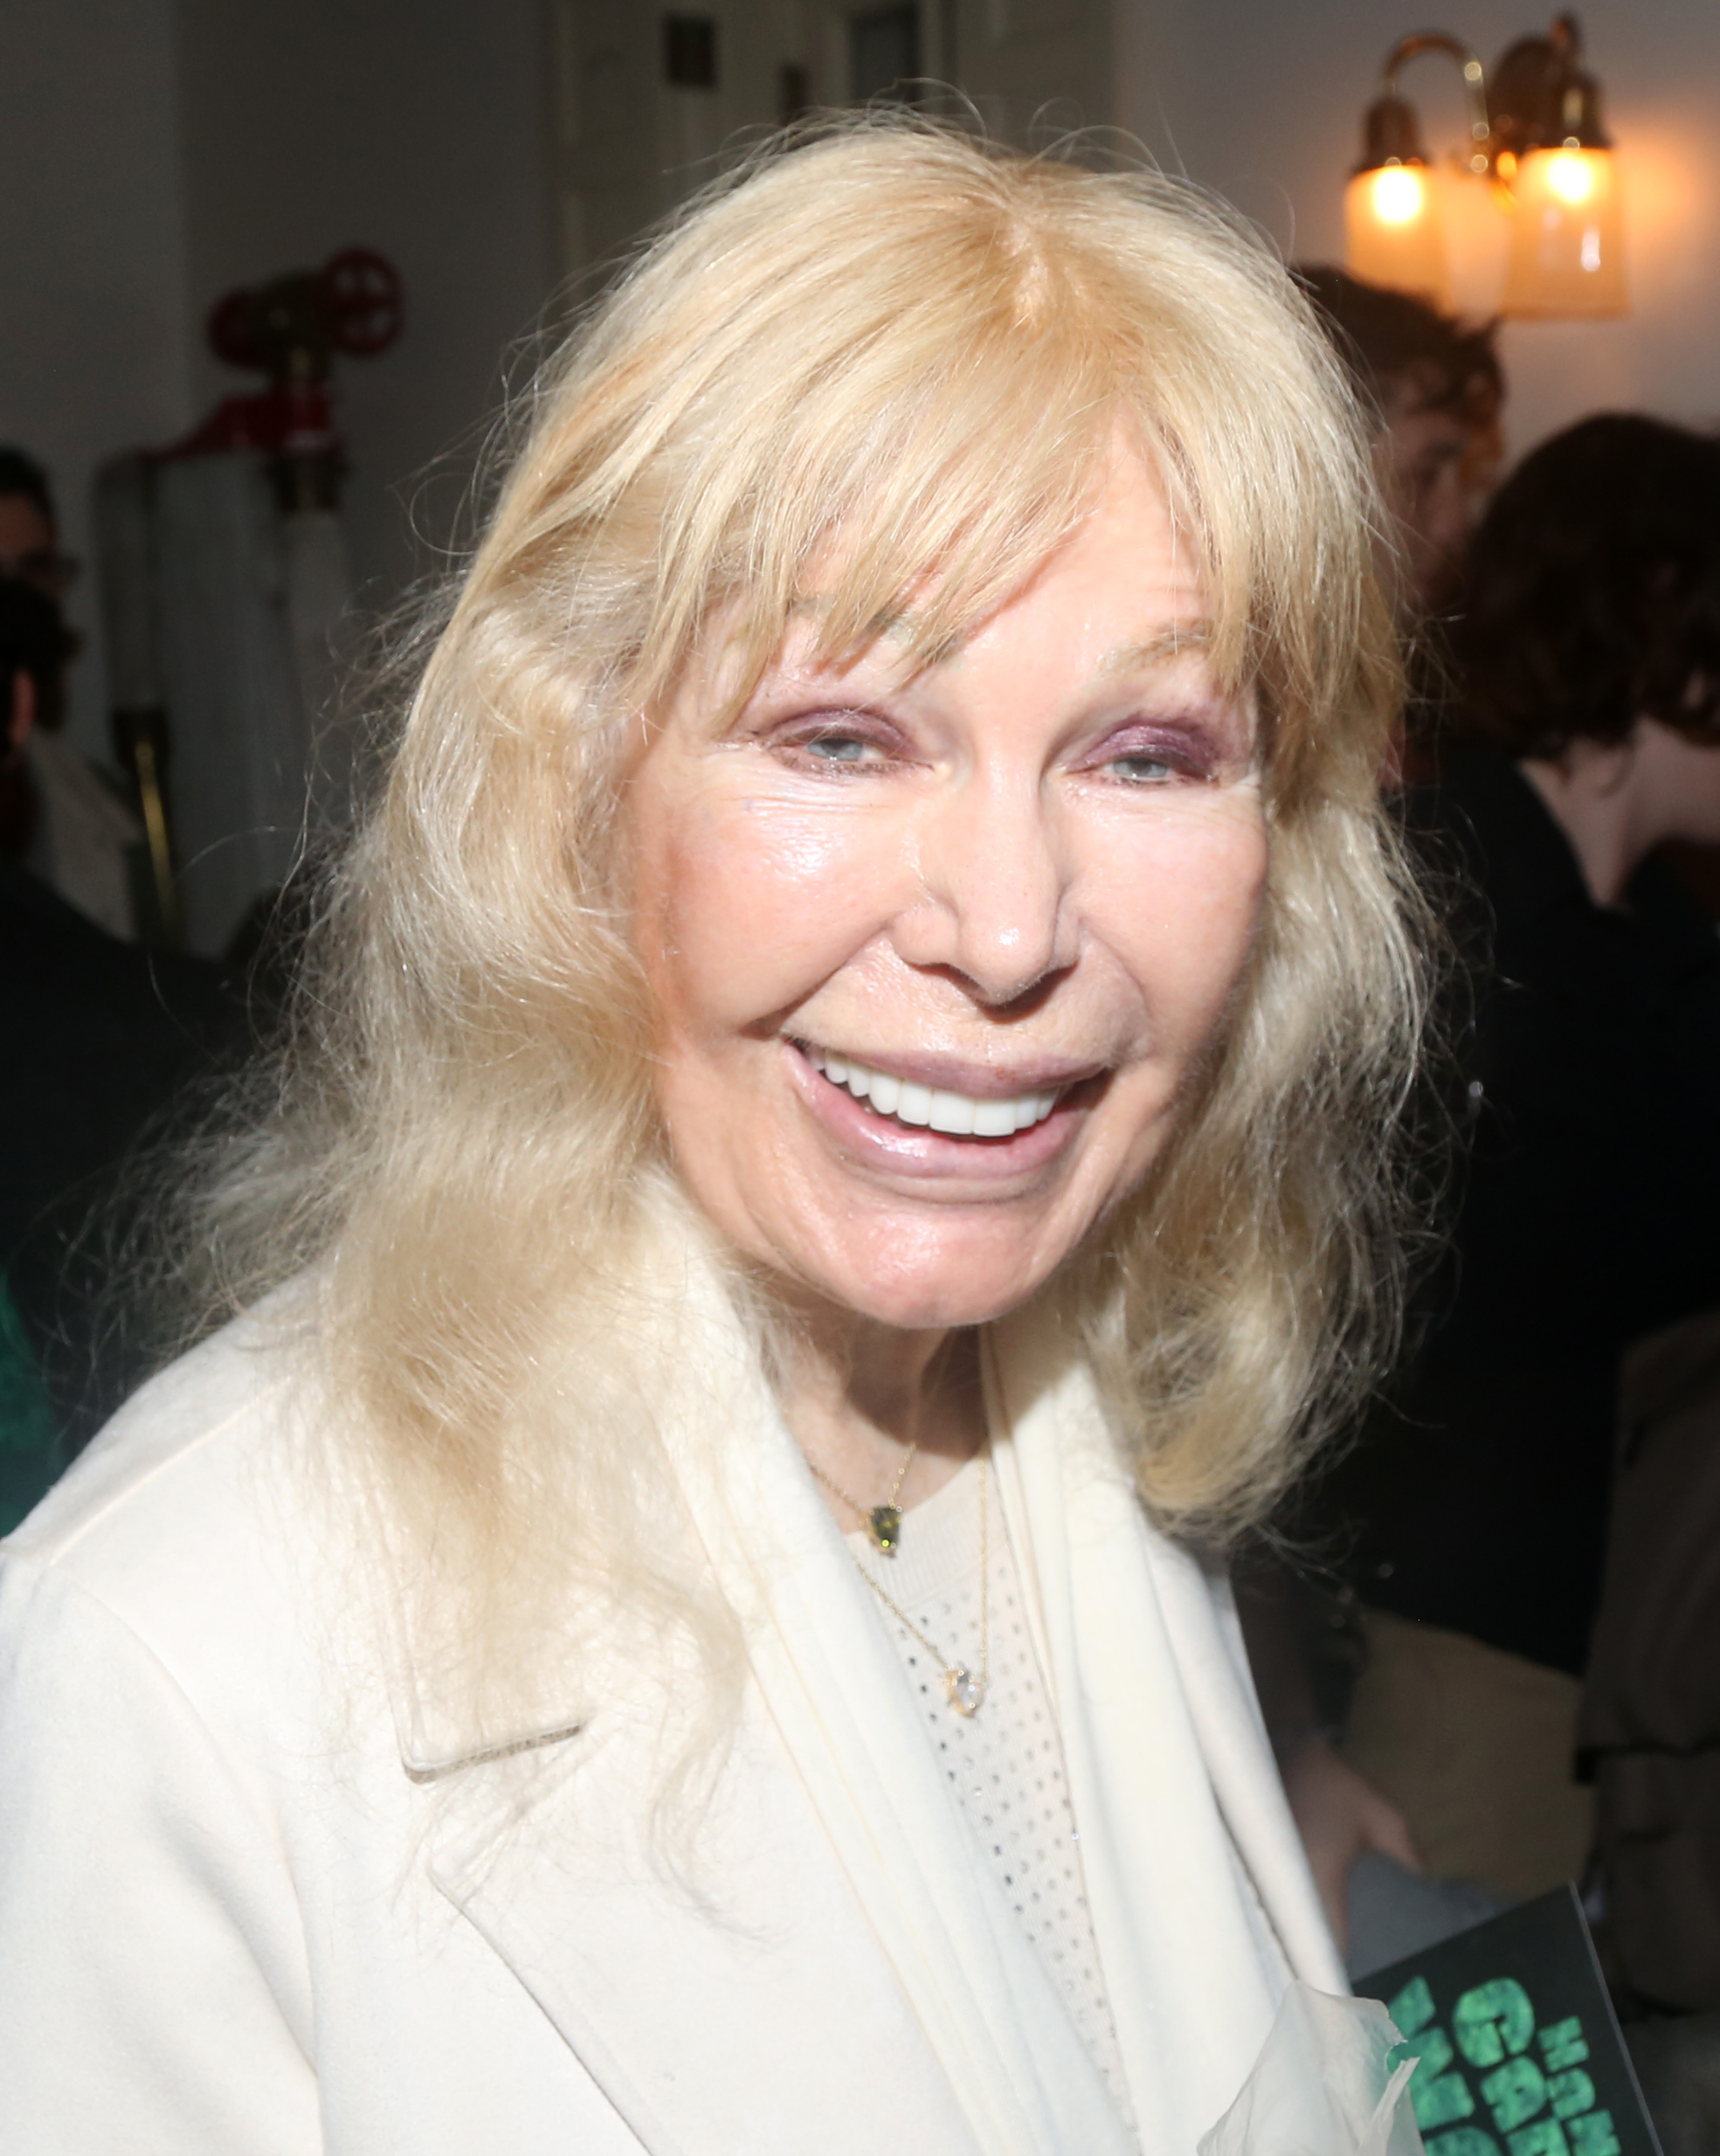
(936, 953)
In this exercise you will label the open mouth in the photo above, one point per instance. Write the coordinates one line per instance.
(932, 1107)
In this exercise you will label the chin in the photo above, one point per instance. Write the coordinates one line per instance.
(931, 1311)
(940, 1296)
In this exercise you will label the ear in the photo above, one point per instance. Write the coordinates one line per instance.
(21, 715)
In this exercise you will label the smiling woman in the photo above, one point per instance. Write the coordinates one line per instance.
(839, 1138)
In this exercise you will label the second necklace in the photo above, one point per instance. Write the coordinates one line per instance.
(882, 1523)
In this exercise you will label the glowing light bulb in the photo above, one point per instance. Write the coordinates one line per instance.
(1399, 194)
(1395, 230)
(1567, 244)
(1569, 178)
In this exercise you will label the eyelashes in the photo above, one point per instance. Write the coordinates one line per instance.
(846, 739)
(1138, 770)
(843, 752)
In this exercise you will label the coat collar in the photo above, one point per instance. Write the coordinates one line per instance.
(742, 2009)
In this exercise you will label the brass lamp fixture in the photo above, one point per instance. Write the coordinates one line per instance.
(1538, 149)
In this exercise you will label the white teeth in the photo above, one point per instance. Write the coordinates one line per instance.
(914, 1105)
(959, 1114)
(953, 1112)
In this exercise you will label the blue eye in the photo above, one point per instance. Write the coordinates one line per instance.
(837, 748)
(1142, 770)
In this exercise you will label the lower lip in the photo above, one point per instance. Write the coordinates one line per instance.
(902, 1149)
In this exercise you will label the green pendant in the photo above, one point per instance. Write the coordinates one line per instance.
(885, 1524)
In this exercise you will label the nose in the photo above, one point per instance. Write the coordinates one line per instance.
(994, 902)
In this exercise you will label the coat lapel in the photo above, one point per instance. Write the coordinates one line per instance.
(761, 2020)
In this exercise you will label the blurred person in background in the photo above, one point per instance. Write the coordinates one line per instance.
(29, 532)
(1434, 388)
(33, 648)
(80, 833)
(1589, 645)
(100, 1037)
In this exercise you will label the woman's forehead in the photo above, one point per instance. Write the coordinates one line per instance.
(898, 647)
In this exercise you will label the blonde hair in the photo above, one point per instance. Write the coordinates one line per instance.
(894, 332)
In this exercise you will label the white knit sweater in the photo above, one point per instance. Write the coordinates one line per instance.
(1004, 1763)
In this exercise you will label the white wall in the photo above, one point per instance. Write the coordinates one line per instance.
(627, 146)
(1263, 101)
(1034, 68)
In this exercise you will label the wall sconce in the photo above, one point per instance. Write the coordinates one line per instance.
(1537, 149)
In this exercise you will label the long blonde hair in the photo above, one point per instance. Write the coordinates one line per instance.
(894, 332)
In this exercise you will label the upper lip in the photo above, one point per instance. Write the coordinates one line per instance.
(956, 1074)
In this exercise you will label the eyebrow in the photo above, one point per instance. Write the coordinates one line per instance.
(1165, 644)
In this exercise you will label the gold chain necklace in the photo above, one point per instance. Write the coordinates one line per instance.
(965, 1690)
(882, 1523)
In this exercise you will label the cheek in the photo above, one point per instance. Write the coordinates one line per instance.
(744, 907)
(1182, 920)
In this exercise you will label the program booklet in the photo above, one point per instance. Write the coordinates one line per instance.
(1520, 2051)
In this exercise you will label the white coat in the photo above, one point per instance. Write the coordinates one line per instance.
(251, 1902)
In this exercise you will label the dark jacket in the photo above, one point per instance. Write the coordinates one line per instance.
(1587, 1215)
(101, 1038)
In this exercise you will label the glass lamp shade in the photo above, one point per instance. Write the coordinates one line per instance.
(1394, 232)
(1567, 241)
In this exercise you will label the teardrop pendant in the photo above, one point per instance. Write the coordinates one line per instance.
(966, 1693)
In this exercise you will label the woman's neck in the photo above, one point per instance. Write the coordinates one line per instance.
(858, 1396)
(1592, 793)
(1617, 802)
